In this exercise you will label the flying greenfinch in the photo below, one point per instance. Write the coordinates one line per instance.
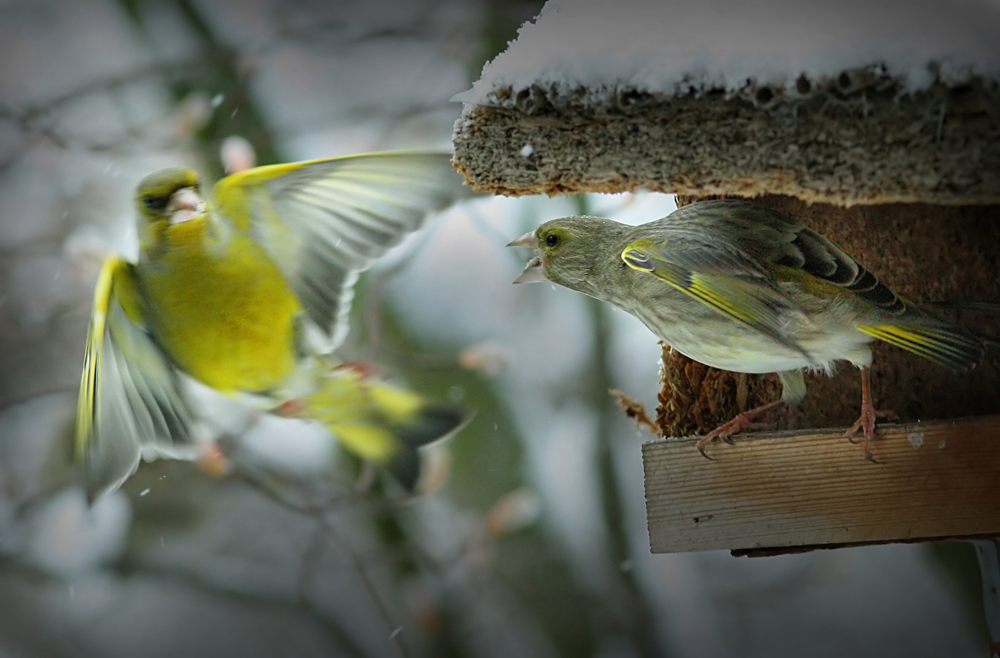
(249, 294)
(744, 288)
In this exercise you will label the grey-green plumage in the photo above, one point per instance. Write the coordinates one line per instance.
(744, 288)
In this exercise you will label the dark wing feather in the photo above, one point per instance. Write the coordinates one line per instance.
(775, 239)
(770, 237)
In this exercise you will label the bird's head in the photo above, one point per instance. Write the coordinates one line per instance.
(164, 199)
(567, 250)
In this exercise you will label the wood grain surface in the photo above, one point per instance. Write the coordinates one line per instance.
(813, 488)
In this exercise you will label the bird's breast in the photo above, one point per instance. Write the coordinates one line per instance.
(226, 318)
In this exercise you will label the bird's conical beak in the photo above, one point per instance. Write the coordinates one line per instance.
(526, 240)
(185, 204)
(533, 272)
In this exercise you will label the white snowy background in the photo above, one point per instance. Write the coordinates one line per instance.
(533, 543)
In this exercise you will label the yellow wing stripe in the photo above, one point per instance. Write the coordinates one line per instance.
(949, 348)
(753, 304)
(87, 402)
(689, 283)
(698, 290)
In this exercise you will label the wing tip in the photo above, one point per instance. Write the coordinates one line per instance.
(951, 347)
(99, 482)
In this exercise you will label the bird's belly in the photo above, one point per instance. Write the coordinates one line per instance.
(229, 325)
(729, 345)
(750, 353)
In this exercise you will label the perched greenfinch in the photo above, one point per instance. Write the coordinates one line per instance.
(744, 288)
(249, 294)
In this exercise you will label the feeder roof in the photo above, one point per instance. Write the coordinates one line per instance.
(848, 102)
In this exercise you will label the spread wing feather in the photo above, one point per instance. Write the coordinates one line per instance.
(324, 221)
(131, 403)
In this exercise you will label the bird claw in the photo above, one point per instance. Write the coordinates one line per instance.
(870, 457)
(742, 421)
(701, 449)
(885, 414)
(853, 429)
(724, 432)
(866, 421)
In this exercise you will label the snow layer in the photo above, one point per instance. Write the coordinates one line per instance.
(657, 46)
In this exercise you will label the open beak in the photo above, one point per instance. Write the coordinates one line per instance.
(185, 204)
(526, 240)
(533, 272)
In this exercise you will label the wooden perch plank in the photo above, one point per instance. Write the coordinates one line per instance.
(813, 488)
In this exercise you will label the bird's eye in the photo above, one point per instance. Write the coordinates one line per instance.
(551, 239)
(155, 202)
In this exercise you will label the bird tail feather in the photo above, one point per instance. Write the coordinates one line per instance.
(380, 422)
(947, 344)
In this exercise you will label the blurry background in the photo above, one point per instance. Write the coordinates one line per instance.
(528, 538)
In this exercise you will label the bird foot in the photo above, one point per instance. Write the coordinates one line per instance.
(866, 422)
(742, 421)
(366, 370)
(212, 461)
(290, 408)
(869, 415)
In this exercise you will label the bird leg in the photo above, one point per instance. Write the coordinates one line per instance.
(296, 407)
(742, 421)
(868, 416)
(289, 408)
(366, 370)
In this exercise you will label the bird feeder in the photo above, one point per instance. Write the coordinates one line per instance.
(888, 146)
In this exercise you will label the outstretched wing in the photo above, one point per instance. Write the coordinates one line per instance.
(324, 221)
(130, 402)
(723, 279)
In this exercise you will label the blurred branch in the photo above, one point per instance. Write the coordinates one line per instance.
(224, 70)
(338, 635)
(396, 550)
(220, 69)
(503, 18)
(342, 34)
(324, 535)
(38, 122)
(394, 118)
(630, 610)
(177, 69)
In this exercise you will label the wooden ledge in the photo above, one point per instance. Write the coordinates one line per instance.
(801, 490)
